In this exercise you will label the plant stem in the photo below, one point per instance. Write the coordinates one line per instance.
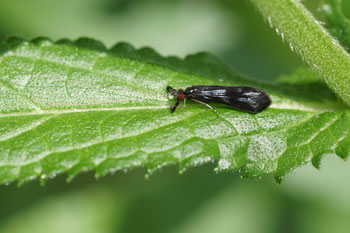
(307, 37)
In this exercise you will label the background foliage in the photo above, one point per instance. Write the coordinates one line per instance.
(200, 200)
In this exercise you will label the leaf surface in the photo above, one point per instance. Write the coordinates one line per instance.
(70, 107)
(337, 22)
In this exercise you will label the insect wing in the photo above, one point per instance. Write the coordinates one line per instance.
(245, 99)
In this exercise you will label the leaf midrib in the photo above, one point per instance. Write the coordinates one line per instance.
(70, 111)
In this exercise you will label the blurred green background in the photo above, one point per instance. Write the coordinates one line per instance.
(198, 201)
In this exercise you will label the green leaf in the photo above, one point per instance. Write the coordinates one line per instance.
(337, 23)
(308, 38)
(70, 107)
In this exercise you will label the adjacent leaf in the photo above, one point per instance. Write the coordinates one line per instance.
(337, 23)
(70, 107)
(308, 38)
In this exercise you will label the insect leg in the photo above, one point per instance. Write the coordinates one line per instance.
(212, 108)
(183, 107)
(173, 108)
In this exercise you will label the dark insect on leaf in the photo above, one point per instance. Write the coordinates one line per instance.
(246, 99)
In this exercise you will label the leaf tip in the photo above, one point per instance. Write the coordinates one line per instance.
(88, 43)
(97, 175)
(148, 173)
(316, 162)
(278, 179)
(43, 179)
(181, 171)
(69, 179)
(41, 41)
(122, 47)
(147, 176)
(20, 183)
(216, 170)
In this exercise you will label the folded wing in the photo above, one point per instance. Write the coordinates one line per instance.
(245, 99)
